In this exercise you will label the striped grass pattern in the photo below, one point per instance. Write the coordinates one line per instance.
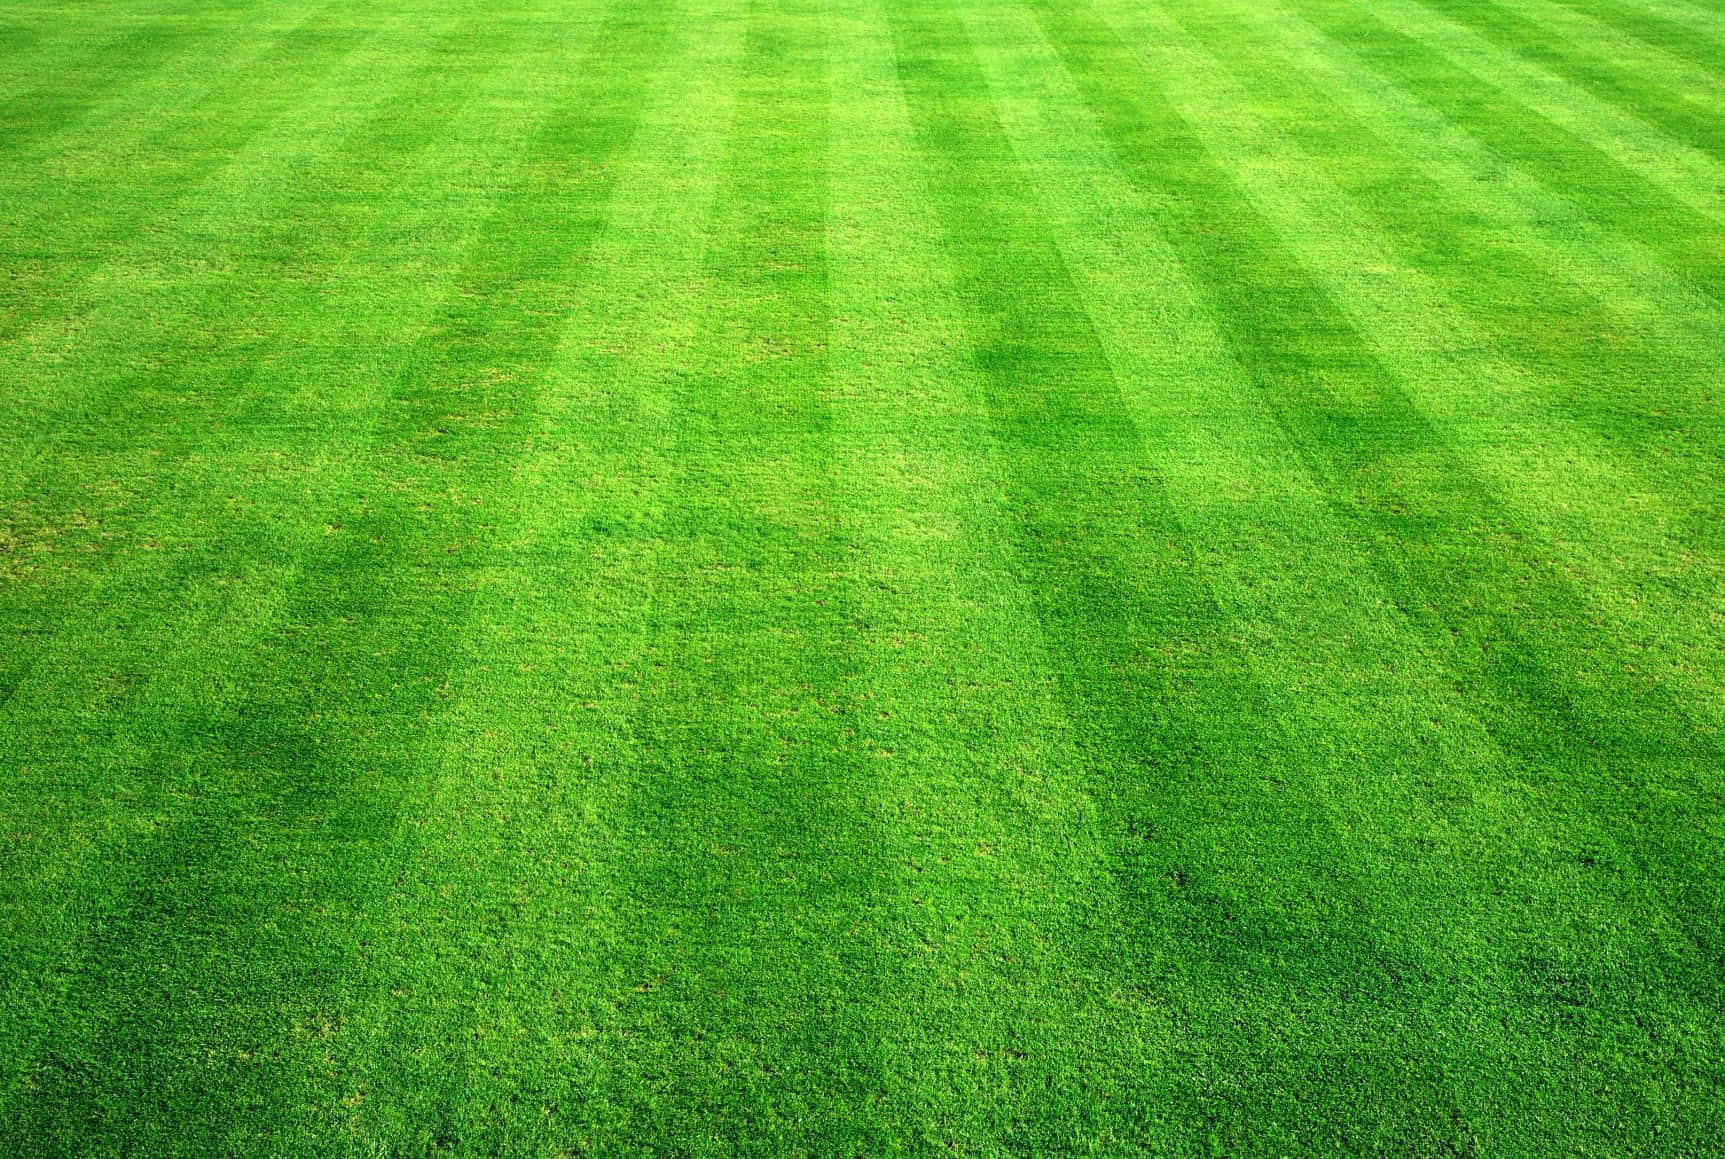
(848, 577)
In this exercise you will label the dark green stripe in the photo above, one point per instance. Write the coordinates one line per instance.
(749, 859)
(212, 979)
(1594, 68)
(92, 66)
(1590, 736)
(1690, 243)
(1226, 902)
(1657, 31)
(1648, 394)
(140, 413)
(80, 204)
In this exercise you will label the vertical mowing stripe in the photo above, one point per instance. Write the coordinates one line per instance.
(1674, 100)
(1641, 392)
(994, 844)
(481, 979)
(1470, 876)
(749, 863)
(89, 739)
(1623, 173)
(83, 480)
(238, 436)
(1186, 762)
(1520, 644)
(265, 874)
(80, 200)
(117, 453)
(127, 723)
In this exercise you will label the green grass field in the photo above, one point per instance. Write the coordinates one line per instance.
(853, 577)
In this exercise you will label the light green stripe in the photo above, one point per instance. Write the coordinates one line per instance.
(1565, 484)
(1005, 849)
(246, 844)
(1518, 826)
(1687, 174)
(1692, 75)
(60, 367)
(534, 764)
(1673, 98)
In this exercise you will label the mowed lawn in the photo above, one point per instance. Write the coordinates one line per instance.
(858, 577)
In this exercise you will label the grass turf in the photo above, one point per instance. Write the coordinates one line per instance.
(862, 576)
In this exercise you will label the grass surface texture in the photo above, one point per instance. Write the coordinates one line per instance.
(851, 577)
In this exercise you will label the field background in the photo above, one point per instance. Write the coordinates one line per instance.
(841, 577)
